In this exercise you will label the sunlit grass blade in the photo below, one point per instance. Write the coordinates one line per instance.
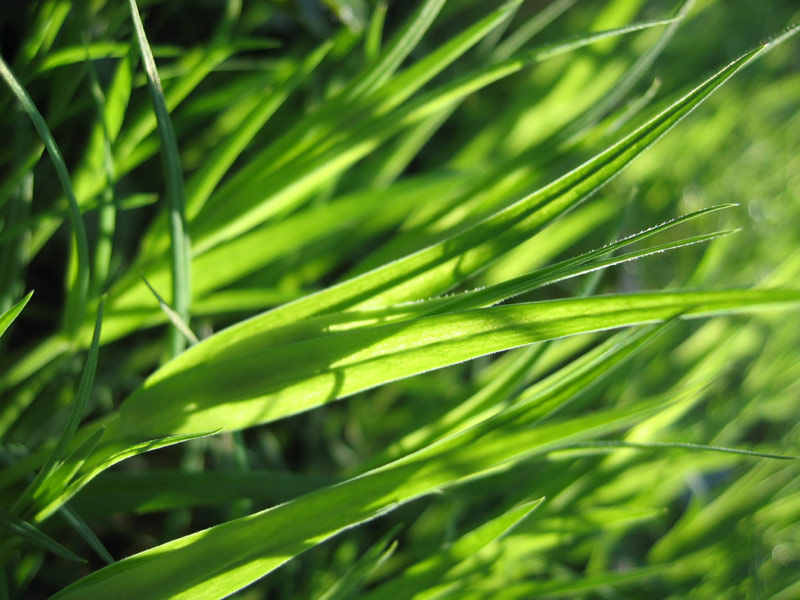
(276, 535)
(611, 445)
(7, 318)
(373, 38)
(264, 383)
(397, 50)
(108, 458)
(173, 174)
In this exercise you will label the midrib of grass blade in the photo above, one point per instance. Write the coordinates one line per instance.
(268, 383)
(238, 552)
(435, 269)
(173, 175)
(79, 285)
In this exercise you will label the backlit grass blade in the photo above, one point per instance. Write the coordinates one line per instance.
(108, 458)
(265, 383)
(7, 318)
(372, 40)
(435, 269)
(611, 445)
(238, 552)
(173, 174)
(79, 286)
(68, 55)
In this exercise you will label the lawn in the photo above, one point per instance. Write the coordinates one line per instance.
(332, 299)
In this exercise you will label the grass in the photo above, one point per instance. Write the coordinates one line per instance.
(484, 300)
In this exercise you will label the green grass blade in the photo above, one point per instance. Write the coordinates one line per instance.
(372, 41)
(7, 318)
(372, 560)
(89, 536)
(269, 382)
(238, 552)
(437, 569)
(79, 286)
(156, 491)
(173, 175)
(29, 533)
(400, 47)
(172, 315)
(61, 448)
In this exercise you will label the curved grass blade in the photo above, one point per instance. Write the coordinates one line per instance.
(156, 491)
(236, 211)
(173, 174)
(109, 457)
(79, 286)
(89, 536)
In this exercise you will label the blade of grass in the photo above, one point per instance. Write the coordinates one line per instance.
(7, 318)
(33, 535)
(59, 452)
(79, 286)
(173, 175)
(273, 381)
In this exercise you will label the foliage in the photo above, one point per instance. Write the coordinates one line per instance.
(400, 300)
